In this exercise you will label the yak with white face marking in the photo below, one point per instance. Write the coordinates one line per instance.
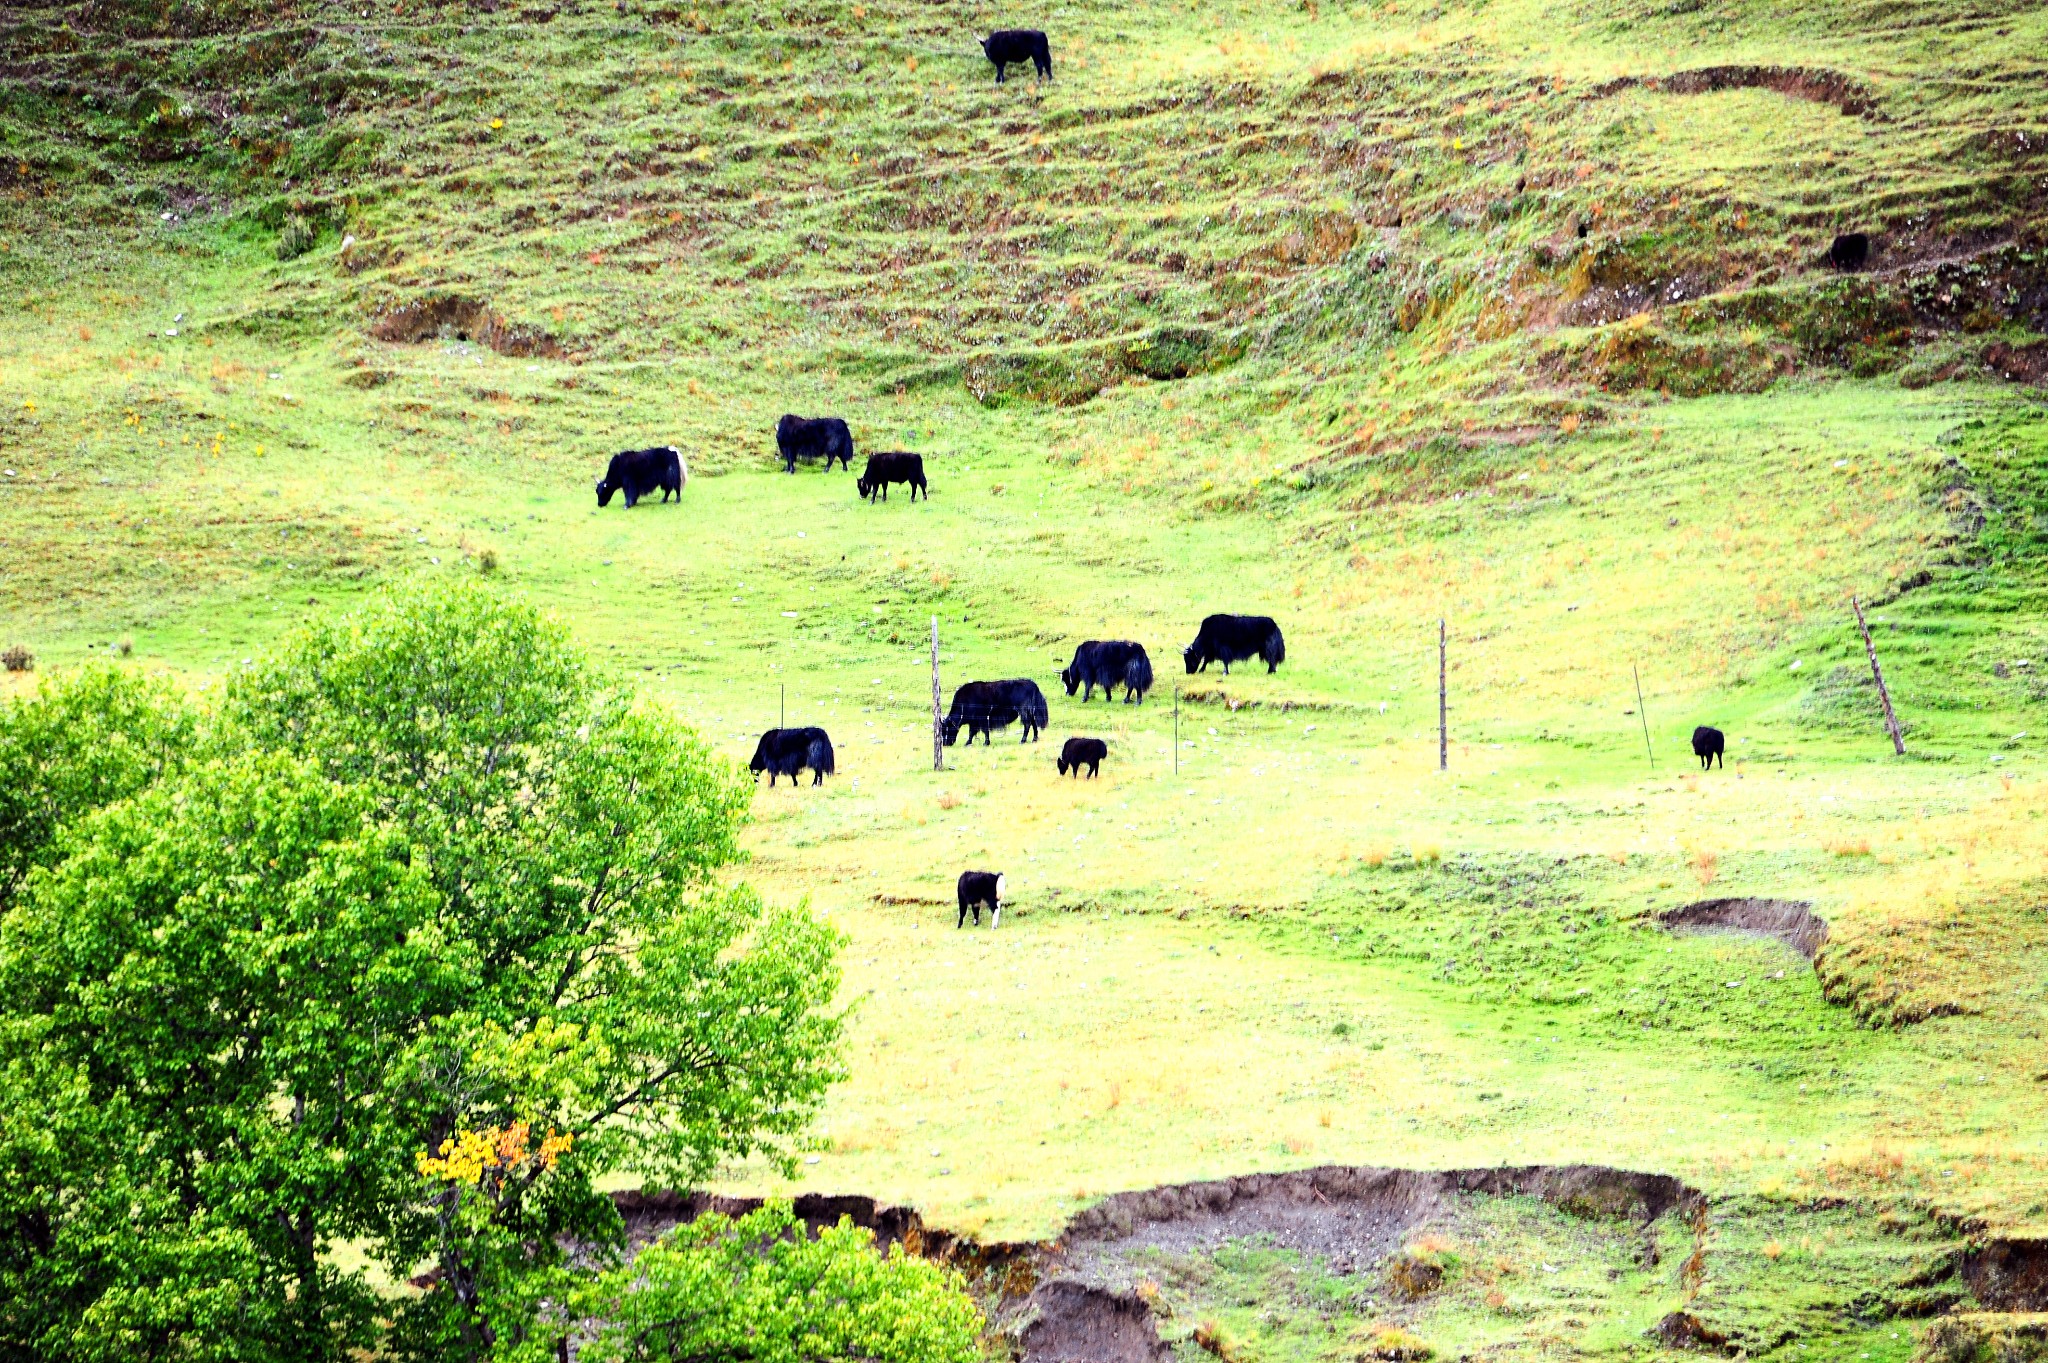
(976, 889)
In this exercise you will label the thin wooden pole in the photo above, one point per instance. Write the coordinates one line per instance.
(782, 706)
(1176, 728)
(1443, 699)
(938, 733)
(1644, 712)
(1891, 719)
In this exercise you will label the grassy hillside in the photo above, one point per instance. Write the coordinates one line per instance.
(1364, 316)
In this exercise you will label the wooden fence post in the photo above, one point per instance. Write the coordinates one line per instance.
(1891, 719)
(938, 732)
(1443, 702)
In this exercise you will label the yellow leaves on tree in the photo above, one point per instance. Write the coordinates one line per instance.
(468, 1156)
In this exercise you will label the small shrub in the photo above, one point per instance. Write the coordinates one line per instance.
(1773, 1251)
(127, 646)
(1211, 1336)
(487, 561)
(1392, 1344)
(1415, 1272)
(18, 658)
(948, 800)
(1374, 856)
(1705, 865)
(295, 238)
(1428, 854)
(1859, 847)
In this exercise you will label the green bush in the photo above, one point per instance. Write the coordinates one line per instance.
(761, 1289)
(296, 237)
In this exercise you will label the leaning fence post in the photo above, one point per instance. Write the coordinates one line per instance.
(938, 737)
(1891, 720)
(1176, 728)
(1643, 712)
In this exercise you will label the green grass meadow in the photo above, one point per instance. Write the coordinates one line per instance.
(1364, 316)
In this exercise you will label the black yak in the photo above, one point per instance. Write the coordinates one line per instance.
(785, 752)
(1083, 752)
(805, 438)
(976, 889)
(893, 466)
(1015, 46)
(639, 472)
(983, 707)
(1707, 743)
(1231, 639)
(1109, 664)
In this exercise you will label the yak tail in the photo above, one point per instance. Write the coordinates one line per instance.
(1138, 675)
(1275, 651)
(821, 756)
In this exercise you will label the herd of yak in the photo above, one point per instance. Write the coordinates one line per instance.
(979, 707)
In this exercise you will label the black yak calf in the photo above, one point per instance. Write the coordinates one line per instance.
(785, 752)
(983, 707)
(1707, 743)
(1231, 639)
(639, 472)
(893, 466)
(1083, 752)
(1014, 47)
(976, 889)
(1109, 664)
(812, 438)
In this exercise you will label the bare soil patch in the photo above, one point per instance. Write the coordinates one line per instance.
(2009, 1274)
(466, 319)
(1073, 1322)
(1815, 85)
(1784, 920)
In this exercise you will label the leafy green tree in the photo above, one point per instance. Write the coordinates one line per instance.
(213, 978)
(431, 890)
(759, 1290)
(76, 745)
(623, 995)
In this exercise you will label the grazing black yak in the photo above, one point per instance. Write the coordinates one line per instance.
(1707, 743)
(806, 438)
(1015, 46)
(980, 708)
(1109, 664)
(976, 889)
(1083, 752)
(893, 466)
(639, 472)
(983, 707)
(1849, 251)
(1029, 703)
(1231, 639)
(785, 752)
